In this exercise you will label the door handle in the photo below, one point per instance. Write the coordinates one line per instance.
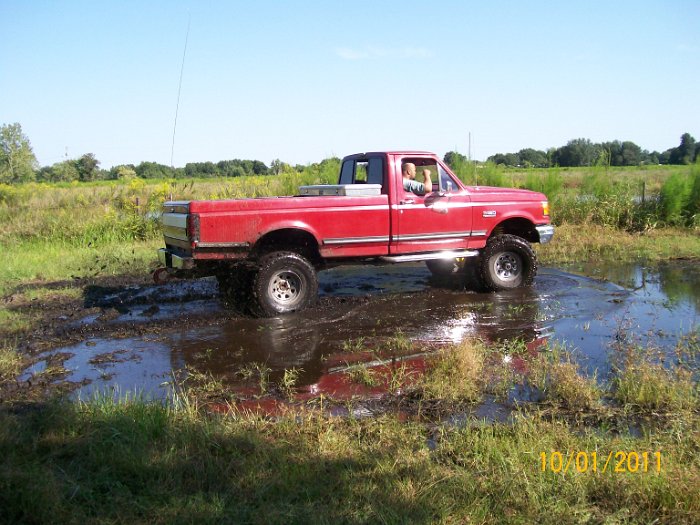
(407, 201)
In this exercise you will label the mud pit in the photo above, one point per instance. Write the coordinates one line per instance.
(136, 338)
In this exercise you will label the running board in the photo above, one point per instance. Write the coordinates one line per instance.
(455, 254)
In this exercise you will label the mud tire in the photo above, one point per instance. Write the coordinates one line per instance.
(285, 282)
(507, 262)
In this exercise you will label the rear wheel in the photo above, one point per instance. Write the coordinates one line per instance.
(507, 262)
(285, 282)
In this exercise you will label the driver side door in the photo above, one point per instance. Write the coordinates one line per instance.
(439, 220)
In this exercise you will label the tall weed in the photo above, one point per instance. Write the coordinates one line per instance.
(550, 182)
(675, 199)
(492, 175)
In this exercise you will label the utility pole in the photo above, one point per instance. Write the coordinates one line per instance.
(469, 151)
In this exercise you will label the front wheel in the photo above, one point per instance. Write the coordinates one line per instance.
(507, 262)
(285, 282)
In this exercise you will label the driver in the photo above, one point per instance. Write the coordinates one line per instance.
(408, 170)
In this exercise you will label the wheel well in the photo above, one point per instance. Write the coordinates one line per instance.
(517, 226)
(291, 239)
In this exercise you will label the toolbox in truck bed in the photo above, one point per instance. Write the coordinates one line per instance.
(347, 190)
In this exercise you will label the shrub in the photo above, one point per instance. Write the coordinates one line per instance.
(492, 175)
(549, 182)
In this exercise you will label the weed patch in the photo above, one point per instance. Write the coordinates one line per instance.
(649, 387)
(10, 363)
(455, 374)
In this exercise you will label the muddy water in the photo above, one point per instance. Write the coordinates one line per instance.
(585, 307)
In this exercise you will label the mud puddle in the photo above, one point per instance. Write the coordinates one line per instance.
(392, 308)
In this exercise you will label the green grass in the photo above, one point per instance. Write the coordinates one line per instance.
(645, 382)
(362, 375)
(652, 388)
(10, 363)
(138, 462)
(13, 322)
(43, 272)
(455, 374)
(577, 243)
(46, 260)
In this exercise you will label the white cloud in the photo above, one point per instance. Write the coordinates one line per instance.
(374, 53)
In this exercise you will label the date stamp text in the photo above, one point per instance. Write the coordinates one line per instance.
(581, 462)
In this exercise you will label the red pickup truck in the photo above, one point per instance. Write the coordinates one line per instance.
(267, 251)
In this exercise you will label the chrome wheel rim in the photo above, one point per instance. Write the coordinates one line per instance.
(285, 288)
(508, 266)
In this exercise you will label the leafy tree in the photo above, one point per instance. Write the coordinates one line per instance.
(123, 172)
(454, 159)
(577, 152)
(613, 152)
(45, 174)
(225, 168)
(153, 170)
(622, 153)
(230, 168)
(631, 154)
(276, 166)
(17, 160)
(87, 167)
(665, 157)
(259, 168)
(512, 159)
(532, 158)
(685, 152)
(65, 171)
(498, 158)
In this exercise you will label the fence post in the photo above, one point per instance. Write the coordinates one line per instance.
(644, 188)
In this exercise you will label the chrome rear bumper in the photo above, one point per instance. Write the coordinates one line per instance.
(170, 260)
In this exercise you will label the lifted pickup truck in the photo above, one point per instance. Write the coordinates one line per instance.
(266, 252)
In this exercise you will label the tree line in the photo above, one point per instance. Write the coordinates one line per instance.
(18, 163)
(583, 152)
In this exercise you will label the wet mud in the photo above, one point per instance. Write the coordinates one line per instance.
(141, 338)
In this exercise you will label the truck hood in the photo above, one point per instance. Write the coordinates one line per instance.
(479, 192)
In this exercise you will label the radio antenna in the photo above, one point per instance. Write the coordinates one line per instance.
(179, 89)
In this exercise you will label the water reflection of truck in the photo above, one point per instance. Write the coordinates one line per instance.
(268, 250)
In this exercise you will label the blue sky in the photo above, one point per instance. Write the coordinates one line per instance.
(307, 80)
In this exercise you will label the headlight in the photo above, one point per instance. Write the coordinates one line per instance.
(545, 208)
